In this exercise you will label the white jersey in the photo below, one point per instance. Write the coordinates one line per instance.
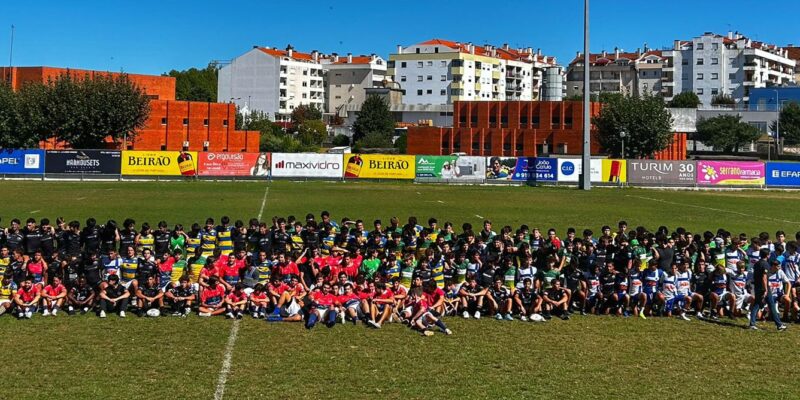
(739, 284)
(777, 282)
(669, 287)
(529, 272)
(683, 281)
(790, 266)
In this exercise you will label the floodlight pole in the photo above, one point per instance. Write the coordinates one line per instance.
(586, 181)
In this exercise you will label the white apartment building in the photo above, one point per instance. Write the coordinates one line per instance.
(629, 73)
(440, 71)
(714, 65)
(276, 81)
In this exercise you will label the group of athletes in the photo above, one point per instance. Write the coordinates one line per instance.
(318, 271)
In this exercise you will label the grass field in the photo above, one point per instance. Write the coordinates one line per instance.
(586, 357)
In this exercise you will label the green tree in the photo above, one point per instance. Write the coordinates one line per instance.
(726, 132)
(373, 140)
(341, 140)
(645, 120)
(723, 100)
(401, 143)
(305, 112)
(312, 132)
(789, 128)
(685, 100)
(374, 118)
(9, 117)
(196, 84)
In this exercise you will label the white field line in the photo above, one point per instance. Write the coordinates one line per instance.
(226, 361)
(713, 209)
(478, 216)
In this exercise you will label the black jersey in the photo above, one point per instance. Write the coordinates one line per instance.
(72, 244)
(14, 240)
(161, 242)
(90, 239)
(81, 293)
(145, 269)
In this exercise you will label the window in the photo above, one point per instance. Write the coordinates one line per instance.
(443, 64)
(185, 121)
(700, 91)
(714, 46)
(523, 120)
(535, 121)
(338, 97)
(714, 76)
(477, 64)
(760, 125)
(419, 92)
(305, 96)
(733, 62)
(430, 63)
(685, 76)
(402, 64)
(417, 50)
(419, 64)
(305, 84)
(430, 77)
(700, 61)
(205, 122)
(419, 78)
(435, 49)
(714, 91)
(402, 78)
(714, 61)
(225, 123)
(430, 91)
(699, 46)
(684, 62)
(443, 92)
(443, 78)
(700, 77)
(732, 76)
(163, 121)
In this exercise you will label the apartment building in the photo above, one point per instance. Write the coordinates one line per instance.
(628, 73)
(714, 65)
(276, 81)
(793, 52)
(440, 71)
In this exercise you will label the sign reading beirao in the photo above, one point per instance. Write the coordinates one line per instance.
(307, 165)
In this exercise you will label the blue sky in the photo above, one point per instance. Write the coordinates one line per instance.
(149, 36)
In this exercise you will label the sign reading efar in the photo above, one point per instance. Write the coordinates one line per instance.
(233, 164)
(22, 161)
(159, 163)
(783, 174)
(92, 162)
(307, 165)
(654, 172)
(379, 166)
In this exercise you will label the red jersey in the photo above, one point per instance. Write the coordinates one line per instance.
(357, 260)
(166, 266)
(386, 295)
(53, 291)
(213, 296)
(324, 300)
(289, 268)
(282, 287)
(221, 261)
(35, 268)
(365, 294)
(209, 272)
(433, 298)
(258, 296)
(401, 291)
(351, 270)
(230, 270)
(333, 261)
(236, 297)
(298, 290)
(347, 298)
(28, 295)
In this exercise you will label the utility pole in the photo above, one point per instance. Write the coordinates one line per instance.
(586, 180)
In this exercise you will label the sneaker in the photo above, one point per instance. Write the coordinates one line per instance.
(547, 317)
(523, 318)
(477, 315)
(752, 328)
(509, 317)
(55, 311)
(102, 314)
(70, 309)
(261, 315)
(714, 317)
(239, 316)
(176, 313)
(626, 314)
(187, 311)
(427, 333)
(699, 315)
(122, 314)
(498, 317)
(46, 313)
(229, 315)
(372, 324)
(448, 332)
(254, 315)
(72, 312)
(565, 317)
(85, 310)
(204, 314)
(641, 314)
(583, 313)
(465, 315)
(377, 325)
(28, 315)
(684, 317)
(782, 327)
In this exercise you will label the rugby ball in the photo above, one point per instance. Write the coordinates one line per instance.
(537, 318)
(153, 312)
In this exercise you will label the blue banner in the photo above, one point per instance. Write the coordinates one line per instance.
(546, 169)
(783, 174)
(21, 161)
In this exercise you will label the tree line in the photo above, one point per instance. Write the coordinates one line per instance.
(79, 111)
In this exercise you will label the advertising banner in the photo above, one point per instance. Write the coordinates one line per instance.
(570, 169)
(307, 165)
(654, 172)
(730, 173)
(546, 169)
(379, 166)
(21, 161)
(509, 168)
(613, 171)
(465, 168)
(783, 174)
(89, 162)
(159, 163)
(233, 164)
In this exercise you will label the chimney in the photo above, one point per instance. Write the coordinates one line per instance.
(606, 54)
(255, 46)
(373, 57)
(638, 51)
(538, 51)
(505, 46)
(399, 49)
(349, 58)
(616, 52)
(315, 55)
(335, 57)
(730, 35)
(289, 50)
(487, 48)
(646, 49)
(676, 45)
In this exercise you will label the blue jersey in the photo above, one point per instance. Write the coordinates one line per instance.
(635, 283)
(651, 280)
(683, 281)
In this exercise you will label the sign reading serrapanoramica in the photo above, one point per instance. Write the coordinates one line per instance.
(378, 166)
(159, 163)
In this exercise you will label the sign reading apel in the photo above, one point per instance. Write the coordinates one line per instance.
(21, 161)
(159, 163)
(307, 165)
(379, 166)
(233, 164)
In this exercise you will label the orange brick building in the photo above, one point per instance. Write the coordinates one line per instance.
(514, 129)
(171, 125)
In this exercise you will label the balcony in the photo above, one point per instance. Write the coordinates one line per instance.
(750, 66)
(457, 70)
(477, 87)
(495, 75)
(457, 85)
